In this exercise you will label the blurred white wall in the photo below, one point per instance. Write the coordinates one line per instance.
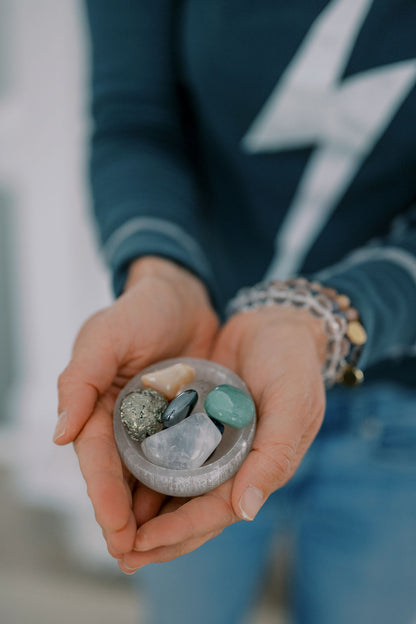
(57, 276)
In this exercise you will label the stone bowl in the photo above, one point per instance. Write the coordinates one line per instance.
(223, 463)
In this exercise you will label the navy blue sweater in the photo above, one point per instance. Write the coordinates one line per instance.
(264, 139)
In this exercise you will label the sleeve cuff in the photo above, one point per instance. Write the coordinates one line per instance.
(145, 236)
(382, 287)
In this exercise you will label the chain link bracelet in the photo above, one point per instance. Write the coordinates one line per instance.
(341, 323)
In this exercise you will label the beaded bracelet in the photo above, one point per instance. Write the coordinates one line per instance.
(342, 326)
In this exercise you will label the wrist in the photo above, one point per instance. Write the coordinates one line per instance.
(339, 321)
(286, 324)
(151, 266)
(158, 268)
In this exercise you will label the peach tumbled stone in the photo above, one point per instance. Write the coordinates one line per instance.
(169, 380)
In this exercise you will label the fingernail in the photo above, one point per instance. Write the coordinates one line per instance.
(129, 570)
(140, 548)
(126, 569)
(251, 502)
(60, 426)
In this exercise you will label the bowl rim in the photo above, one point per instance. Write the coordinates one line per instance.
(194, 481)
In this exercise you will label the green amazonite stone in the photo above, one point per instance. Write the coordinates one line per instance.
(230, 406)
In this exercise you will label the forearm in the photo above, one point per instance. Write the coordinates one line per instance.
(144, 188)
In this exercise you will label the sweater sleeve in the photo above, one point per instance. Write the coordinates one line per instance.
(380, 280)
(145, 195)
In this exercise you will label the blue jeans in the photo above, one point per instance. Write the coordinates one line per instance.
(351, 509)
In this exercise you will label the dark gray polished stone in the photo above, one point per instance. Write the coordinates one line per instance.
(180, 408)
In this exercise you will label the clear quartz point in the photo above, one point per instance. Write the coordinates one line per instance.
(185, 445)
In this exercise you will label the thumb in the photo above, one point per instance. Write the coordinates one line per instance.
(286, 427)
(89, 374)
(263, 472)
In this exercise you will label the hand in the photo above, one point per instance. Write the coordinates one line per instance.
(164, 312)
(279, 353)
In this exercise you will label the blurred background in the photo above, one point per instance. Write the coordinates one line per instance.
(53, 562)
(54, 566)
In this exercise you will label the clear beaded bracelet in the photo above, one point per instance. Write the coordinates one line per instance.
(341, 323)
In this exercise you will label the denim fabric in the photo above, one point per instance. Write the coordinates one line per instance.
(351, 512)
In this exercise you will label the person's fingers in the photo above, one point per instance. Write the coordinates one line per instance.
(109, 350)
(119, 542)
(146, 504)
(90, 373)
(106, 486)
(145, 325)
(154, 504)
(282, 370)
(288, 422)
(199, 516)
(181, 528)
(131, 562)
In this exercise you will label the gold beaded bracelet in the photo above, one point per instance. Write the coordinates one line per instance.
(345, 332)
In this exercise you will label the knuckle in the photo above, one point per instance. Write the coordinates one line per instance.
(95, 318)
(228, 516)
(68, 376)
(231, 516)
(189, 522)
(114, 550)
(281, 458)
(62, 379)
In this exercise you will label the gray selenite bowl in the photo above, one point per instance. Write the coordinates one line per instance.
(223, 463)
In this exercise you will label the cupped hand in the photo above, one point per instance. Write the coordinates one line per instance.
(165, 312)
(279, 353)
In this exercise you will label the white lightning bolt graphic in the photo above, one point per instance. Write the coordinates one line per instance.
(309, 105)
